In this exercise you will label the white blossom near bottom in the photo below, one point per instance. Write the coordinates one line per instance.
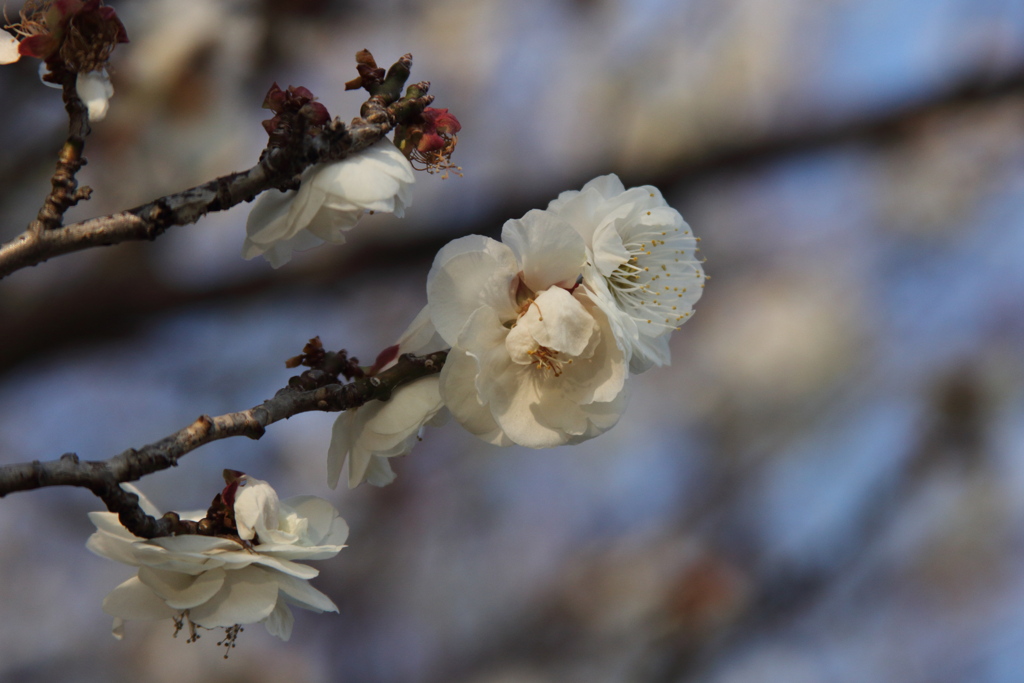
(534, 360)
(223, 582)
(331, 199)
(367, 436)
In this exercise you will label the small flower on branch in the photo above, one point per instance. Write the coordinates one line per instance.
(431, 141)
(77, 35)
(71, 37)
(534, 360)
(240, 569)
(331, 199)
(368, 436)
(644, 267)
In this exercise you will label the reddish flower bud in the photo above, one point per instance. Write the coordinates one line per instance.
(442, 121)
(316, 114)
(431, 140)
(233, 479)
(40, 46)
(383, 358)
(295, 110)
(75, 35)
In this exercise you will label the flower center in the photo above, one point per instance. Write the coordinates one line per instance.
(546, 359)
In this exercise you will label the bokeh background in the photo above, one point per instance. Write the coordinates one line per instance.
(826, 484)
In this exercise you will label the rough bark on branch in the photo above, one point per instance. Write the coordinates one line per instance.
(314, 390)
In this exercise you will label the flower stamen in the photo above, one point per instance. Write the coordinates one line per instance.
(547, 359)
(653, 254)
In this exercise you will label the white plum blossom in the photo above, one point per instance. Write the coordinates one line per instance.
(93, 87)
(331, 199)
(367, 436)
(95, 91)
(642, 263)
(534, 360)
(220, 581)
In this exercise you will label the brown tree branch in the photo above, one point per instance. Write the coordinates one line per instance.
(314, 390)
(278, 167)
(64, 191)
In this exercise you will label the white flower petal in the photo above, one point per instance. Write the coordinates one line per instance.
(280, 252)
(247, 596)
(469, 273)
(609, 251)
(548, 250)
(303, 595)
(280, 622)
(308, 202)
(134, 600)
(256, 508)
(95, 91)
(379, 472)
(285, 565)
(560, 322)
(112, 548)
(331, 199)
(381, 429)
(459, 372)
(326, 527)
(108, 523)
(182, 591)
(192, 545)
(606, 185)
(8, 49)
(342, 434)
(267, 220)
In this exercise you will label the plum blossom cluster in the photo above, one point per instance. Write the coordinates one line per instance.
(333, 196)
(69, 36)
(543, 328)
(241, 567)
(330, 200)
(539, 332)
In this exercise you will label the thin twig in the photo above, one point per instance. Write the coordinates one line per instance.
(104, 477)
